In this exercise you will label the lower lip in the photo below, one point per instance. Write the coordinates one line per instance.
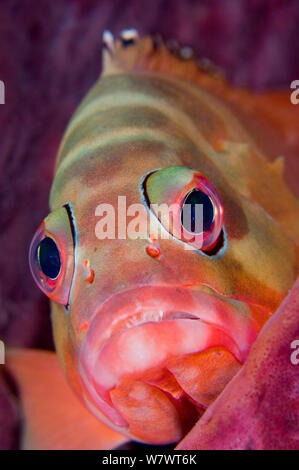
(104, 361)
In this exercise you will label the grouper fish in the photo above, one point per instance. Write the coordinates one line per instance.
(153, 320)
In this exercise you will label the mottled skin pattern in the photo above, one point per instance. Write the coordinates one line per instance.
(148, 111)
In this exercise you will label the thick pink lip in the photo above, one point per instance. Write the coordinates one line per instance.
(141, 328)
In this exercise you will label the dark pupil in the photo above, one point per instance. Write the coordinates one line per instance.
(188, 214)
(48, 258)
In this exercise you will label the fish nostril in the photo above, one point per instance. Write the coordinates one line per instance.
(88, 272)
(153, 251)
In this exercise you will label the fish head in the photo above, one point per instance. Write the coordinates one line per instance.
(151, 317)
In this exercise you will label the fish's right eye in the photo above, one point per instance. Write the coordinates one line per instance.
(51, 256)
(48, 258)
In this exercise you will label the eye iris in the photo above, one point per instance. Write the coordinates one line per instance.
(49, 258)
(188, 214)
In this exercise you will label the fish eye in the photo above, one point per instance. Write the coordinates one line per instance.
(196, 216)
(48, 257)
(193, 220)
(51, 255)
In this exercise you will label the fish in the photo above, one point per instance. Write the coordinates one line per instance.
(151, 328)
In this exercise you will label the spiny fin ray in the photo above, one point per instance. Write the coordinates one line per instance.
(151, 54)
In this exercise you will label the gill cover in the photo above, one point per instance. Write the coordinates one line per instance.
(51, 255)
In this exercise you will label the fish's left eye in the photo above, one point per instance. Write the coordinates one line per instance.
(187, 205)
(51, 256)
(189, 219)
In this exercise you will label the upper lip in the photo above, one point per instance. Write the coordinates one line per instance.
(142, 304)
(145, 315)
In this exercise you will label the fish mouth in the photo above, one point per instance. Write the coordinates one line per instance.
(147, 329)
